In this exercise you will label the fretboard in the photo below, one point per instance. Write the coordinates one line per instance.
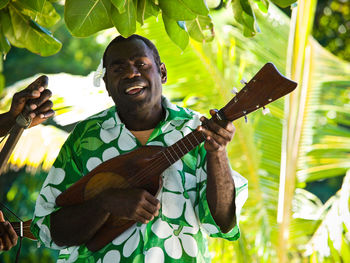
(183, 146)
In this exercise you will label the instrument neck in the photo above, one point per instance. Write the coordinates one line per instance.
(174, 152)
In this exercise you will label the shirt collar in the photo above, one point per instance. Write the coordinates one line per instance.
(172, 112)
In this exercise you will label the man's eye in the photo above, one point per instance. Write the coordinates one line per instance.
(118, 69)
(141, 65)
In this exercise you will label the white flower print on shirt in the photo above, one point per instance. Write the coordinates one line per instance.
(177, 238)
(109, 153)
(132, 237)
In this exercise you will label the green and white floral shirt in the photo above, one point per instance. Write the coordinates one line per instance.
(179, 233)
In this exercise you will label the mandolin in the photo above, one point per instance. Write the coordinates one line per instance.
(23, 231)
(143, 167)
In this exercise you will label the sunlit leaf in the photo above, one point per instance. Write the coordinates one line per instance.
(120, 5)
(46, 16)
(125, 22)
(176, 10)
(283, 3)
(36, 39)
(244, 14)
(8, 29)
(86, 17)
(176, 31)
(201, 28)
(5, 45)
(3, 3)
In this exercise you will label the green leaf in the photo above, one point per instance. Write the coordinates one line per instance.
(34, 5)
(263, 5)
(244, 14)
(36, 39)
(283, 3)
(46, 17)
(176, 10)
(124, 22)
(8, 29)
(86, 17)
(141, 10)
(184, 9)
(201, 28)
(176, 31)
(3, 3)
(151, 9)
(5, 45)
(91, 143)
(120, 5)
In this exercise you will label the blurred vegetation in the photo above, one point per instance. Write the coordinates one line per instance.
(78, 56)
(201, 77)
(332, 26)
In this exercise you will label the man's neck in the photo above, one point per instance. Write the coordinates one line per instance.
(142, 120)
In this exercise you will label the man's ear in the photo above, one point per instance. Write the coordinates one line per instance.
(105, 81)
(163, 73)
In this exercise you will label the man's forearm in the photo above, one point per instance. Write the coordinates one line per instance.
(75, 225)
(6, 121)
(221, 190)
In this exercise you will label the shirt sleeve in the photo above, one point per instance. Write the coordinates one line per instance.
(207, 222)
(65, 171)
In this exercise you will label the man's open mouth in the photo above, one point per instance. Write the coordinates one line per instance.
(134, 90)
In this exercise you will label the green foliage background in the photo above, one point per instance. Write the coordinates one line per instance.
(201, 77)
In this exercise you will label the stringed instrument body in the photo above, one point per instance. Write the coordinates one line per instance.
(25, 232)
(142, 168)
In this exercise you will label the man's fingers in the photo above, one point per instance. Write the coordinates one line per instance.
(2, 219)
(46, 106)
(36, 103)
(151, 199)
(47, 114)
(42, 81)
(11, 234)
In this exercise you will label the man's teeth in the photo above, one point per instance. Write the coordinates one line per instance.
(132, 88)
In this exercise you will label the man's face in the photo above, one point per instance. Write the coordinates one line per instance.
(132, 77)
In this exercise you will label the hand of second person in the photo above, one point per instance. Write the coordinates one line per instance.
(217, 137)
(8, 236)
(132, 204)
(36, 97)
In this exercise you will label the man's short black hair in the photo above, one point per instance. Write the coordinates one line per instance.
(148, 43)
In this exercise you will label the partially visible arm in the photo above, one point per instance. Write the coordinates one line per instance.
(75, 225)
(6, 122)
(8, 236)
(220, 185)
(39, 105)
(221, 191)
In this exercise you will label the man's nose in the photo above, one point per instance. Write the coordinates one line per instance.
(131, 72)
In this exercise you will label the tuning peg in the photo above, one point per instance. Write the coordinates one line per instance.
(245, 116)
(265, 110)
(243, 81)
(234, 90)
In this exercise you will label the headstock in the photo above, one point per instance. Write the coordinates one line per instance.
(265, 87)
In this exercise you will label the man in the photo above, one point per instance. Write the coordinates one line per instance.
(170, 227)
(36, 97)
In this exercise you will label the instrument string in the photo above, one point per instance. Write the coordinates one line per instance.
(163, 162)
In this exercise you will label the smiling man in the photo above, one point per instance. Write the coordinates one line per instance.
(200, 194)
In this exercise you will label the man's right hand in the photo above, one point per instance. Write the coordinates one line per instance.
(132, 204)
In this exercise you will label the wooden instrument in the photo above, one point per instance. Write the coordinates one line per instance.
(142, 167)
(24, 230)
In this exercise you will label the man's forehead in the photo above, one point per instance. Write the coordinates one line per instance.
(128, 49)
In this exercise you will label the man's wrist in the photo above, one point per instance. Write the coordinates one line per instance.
(7, 120)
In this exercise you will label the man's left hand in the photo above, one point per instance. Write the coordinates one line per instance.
(217, 136)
